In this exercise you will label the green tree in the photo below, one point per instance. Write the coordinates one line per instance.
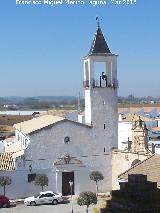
(4, 181)
(41, 180)
(96, 176)
(87, 198)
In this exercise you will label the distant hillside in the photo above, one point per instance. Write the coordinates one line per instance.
(38, 99)
(56, 98)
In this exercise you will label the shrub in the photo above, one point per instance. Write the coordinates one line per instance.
(41, 180)
(96, 176)
(4, 181)
(87, 198)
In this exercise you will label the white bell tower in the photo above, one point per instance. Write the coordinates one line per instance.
(100, 83)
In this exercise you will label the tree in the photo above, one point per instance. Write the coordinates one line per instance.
(4, 181)
(96, 176)
(87, 198)
(41, 180)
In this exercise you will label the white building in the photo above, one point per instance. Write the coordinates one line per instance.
(67, 150)
(125, 123)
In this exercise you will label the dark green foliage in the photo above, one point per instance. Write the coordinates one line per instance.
(96, 176)
(87, 198)
(41, 180)
(4, 181)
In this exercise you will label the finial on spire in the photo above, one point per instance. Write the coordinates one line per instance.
(98, 19)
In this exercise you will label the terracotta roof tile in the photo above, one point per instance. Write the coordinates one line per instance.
(149, 167)
(37, 123)
(6, 161)
(156, 129)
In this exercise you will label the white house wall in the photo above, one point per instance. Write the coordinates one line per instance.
(124, 132)
(1, 146)
(22, 138)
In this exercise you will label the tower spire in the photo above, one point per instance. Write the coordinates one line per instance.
(99, 44)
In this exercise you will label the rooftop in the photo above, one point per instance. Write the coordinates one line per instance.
(156, 129)
(37, 123)
(6, 162)
(149, 167)
(99, 45)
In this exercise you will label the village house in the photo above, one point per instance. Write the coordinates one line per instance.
(136, 151)
(149, 167)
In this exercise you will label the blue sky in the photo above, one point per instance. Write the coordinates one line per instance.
(42, 47)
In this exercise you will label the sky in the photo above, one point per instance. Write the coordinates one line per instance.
(42, 45)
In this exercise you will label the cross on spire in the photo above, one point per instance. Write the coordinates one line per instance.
(98, 19)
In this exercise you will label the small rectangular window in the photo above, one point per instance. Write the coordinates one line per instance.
(104, 126)
(31, 177)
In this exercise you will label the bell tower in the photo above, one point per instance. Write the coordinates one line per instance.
(139, 137)
(100, 84)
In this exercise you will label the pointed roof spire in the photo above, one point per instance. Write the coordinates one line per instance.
(99, 45)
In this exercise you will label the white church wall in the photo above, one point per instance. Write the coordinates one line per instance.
(20, 187)
(48, 145)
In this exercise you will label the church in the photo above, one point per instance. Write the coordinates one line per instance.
(67, 150)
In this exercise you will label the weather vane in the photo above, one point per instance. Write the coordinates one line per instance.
(98, 19)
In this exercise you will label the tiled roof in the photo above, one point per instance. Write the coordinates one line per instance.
(37, 123)
(10, 139)
(44, 121)
(156, 129)
(99, 45)
(6, 161)
(149, 167)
